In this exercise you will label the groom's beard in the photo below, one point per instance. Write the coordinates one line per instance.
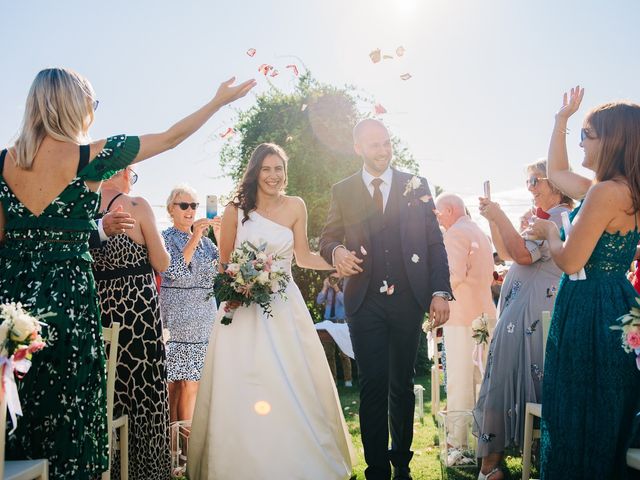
(377, 164)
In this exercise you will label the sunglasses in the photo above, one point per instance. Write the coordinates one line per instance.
(95, 104)
(532, 181)
(133, 179)
(586, 133)
(185, 205)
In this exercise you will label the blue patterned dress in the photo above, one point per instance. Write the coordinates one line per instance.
(186, 307)
(591, 386)
(46, 265)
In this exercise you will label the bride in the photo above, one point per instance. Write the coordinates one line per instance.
(267, 407)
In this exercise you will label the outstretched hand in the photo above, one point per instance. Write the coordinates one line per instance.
(227, 92)
(570, 102)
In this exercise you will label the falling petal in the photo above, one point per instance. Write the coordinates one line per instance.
(475, 245)
(262, 408)
(289, 138)
(265, 68)
(405, 76)
(387, 57)
(384, 286)
(229, 132)
(379, 109)
(251, 52)
(390, 290)
(426, 198)
(304, 107)
(274, 73)
(415, 258)
(362, 250)
(294, 68)
(375, 56)
(400, 51)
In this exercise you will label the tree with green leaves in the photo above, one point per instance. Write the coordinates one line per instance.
(314, 125)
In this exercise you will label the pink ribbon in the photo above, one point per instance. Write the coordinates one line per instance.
(9, 388)
(477, 355)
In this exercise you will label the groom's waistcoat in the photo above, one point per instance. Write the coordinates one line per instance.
(386, 249)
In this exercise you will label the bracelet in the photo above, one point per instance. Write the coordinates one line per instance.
(563, 130)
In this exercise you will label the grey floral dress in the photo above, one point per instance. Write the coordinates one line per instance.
(186, 306)
(46, 265)
(514, 370)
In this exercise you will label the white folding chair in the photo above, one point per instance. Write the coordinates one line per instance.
(18, 469)
(111, 336)
(533, 410)
(436, 368)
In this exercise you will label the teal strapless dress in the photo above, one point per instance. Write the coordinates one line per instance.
(591, 387)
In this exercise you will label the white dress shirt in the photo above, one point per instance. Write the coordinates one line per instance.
(385, 186)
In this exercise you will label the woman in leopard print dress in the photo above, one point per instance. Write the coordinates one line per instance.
(128, 295)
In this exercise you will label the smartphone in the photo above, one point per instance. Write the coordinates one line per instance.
(487, 189)
(212, 206)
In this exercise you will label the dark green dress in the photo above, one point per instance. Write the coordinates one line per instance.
(45, 264)
(591, 387)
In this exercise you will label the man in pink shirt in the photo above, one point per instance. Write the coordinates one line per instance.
(471, 273)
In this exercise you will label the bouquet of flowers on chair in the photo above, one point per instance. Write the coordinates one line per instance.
(19, 340)
(630, 327)
(251, 276)
(480, 333)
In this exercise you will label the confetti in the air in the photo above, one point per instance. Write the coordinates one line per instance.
(415, 258)
(251, 52)
(294, 68)
(289, 139)
(304, 107)
(426, 198)
(227, 133)
(362, 250)
(262, 407)
(405, 76)
(379, 109)
(387, 57)
(265, 69)
(384, 287)
(375, 56)
(274, 73)
(400, 51)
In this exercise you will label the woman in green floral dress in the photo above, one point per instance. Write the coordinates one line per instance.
(49, 182)
(591, 386)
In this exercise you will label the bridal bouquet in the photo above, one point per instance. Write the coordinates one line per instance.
(630, 326)
(480, 333)
(19, 339)
(251, 276)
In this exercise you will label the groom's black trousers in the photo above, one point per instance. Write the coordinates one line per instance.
(385, 333)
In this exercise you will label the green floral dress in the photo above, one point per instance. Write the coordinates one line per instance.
(591, 387)
(45, 264)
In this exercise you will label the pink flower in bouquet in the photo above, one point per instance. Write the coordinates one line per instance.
(633, 338)
(36, 346)
(20, 353)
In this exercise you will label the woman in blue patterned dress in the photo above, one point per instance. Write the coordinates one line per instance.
(187, 307)
(49, 182)
(591, 386)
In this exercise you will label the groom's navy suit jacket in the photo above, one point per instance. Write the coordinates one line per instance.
(422, 249)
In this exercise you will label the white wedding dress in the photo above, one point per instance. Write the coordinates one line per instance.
(267, 407)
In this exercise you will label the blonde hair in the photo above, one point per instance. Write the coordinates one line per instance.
(58, 104)
(177, 190)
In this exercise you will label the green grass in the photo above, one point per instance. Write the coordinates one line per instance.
(425, 464)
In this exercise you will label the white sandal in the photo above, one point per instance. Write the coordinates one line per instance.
(486, 476)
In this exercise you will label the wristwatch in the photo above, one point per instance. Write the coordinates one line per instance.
(446, 295)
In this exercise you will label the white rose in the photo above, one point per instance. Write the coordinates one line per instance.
(4, 332)
(478, 324)
(239, 280)
(275, 286)
(233, 268)
(23, 326)
(262, 257)
(263, 278)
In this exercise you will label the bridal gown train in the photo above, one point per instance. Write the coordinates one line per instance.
(267, 406)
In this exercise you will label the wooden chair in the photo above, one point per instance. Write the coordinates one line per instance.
(18, 469)
(111, 336)
(436, 368)
(533, 410)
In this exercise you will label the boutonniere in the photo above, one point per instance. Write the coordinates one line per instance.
(413, 184)
(416, 189)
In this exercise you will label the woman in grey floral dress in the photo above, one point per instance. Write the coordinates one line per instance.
(186, 304)
(513, 375)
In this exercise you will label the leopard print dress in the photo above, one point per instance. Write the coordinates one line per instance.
(128, 294)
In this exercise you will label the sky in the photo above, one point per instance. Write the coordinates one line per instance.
(486, 77)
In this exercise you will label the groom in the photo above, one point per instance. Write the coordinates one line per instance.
(382, 235)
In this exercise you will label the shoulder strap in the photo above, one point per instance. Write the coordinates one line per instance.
(3, 154)
(84, 157)
(111, 202)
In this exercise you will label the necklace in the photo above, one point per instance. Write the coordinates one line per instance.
(268, 212)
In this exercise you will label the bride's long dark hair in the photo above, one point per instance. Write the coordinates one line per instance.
(245, 197)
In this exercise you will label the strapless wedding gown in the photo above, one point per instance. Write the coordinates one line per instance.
(267, 406)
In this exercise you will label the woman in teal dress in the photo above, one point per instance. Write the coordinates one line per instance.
(49, 182)
(591, 387)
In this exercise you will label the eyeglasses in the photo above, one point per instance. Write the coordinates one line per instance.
(185, 205)
(133, 179)
(95, 104)
(532, 181)
(586, 133)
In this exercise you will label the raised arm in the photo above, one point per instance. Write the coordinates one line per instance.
(228, 230)
(156, 143)
(508, 242)
(158, 255)
(305, 258)
(558, 171)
